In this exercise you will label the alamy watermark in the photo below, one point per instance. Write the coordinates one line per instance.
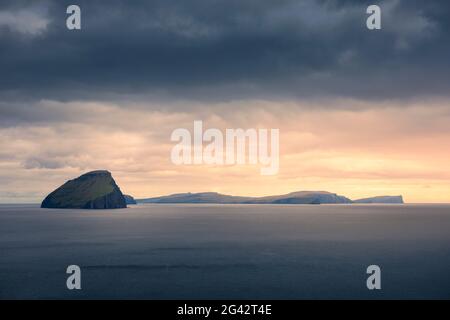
(74, 280)
(374, 280)
(73, 21)
(237, 146)
(373, 22)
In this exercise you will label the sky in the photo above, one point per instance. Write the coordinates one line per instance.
(360, 113)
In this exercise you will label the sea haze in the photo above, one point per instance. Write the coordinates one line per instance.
(205, 251)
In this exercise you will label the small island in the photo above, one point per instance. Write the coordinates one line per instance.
(129, 199)
(93, 190)
(382, 200)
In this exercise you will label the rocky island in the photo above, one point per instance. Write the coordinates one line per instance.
(93, 190)
(129, 199)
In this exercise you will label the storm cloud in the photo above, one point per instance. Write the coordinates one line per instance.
(220, 50)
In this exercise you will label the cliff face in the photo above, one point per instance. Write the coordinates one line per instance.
(93, 190)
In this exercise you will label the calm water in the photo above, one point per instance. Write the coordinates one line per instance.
(226, 251)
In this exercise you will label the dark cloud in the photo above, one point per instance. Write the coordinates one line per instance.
(224, 49)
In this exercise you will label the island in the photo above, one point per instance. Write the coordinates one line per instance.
(93, 190)
(300, 197)
(129, 199)
(381, 199)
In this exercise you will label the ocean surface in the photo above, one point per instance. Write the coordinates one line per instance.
(165, 251)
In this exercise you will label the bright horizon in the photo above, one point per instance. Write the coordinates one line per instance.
(377, 151)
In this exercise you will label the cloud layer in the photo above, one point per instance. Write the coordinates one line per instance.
(360, 112)
(224, 49)
(395, 149)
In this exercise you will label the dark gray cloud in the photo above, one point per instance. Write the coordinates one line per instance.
(222, 49)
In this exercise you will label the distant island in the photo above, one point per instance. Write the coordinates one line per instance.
(98, 190)
(381, 199)
(301, 197)
(93, 190)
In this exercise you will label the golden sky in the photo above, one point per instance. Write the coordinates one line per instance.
(350, 147)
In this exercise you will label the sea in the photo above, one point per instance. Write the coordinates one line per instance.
(209, 251)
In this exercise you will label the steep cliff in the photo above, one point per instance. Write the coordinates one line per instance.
(93, 190)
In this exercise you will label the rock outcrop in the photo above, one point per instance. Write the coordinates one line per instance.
(129, 199)
(93, 190)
